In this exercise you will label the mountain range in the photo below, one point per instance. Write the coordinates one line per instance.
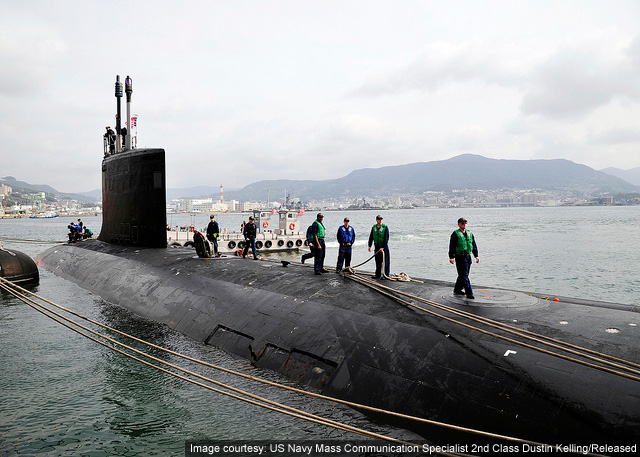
(467, 171)
(25, 187)
(632, 176)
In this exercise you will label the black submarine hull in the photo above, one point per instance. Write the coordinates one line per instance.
(350, 342)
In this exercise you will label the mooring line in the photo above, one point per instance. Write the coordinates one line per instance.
(526, 333)
(255, 399)
(293, 389)
(387, 291)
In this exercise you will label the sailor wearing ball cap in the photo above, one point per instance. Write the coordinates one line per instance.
(379, 237)
(461, 245)
(317, 233)
(346, 237)
(249, 233)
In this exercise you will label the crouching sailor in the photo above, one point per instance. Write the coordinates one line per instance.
(75, 232)
(346, 237)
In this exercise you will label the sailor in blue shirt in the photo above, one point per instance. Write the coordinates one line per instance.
(346, 238)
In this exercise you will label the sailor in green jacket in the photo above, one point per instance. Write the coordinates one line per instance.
(317, 232)
(461, 245)
(379, 237)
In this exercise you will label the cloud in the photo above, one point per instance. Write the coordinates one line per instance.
(615, 137)
(238, 93)
(23, 73)
(567, 82)
(574, 81)
(444, 63)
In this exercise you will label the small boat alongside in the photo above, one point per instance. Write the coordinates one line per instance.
(47, 215)
(279, 231)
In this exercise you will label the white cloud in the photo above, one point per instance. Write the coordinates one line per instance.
(29, 56)
(238, 92)
(575, 81)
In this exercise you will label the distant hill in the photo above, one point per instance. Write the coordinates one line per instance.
(21, 186)
(632, 175)
(467, 171)
(96, 194)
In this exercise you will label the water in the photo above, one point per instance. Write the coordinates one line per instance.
(65, 395)
(583, 252)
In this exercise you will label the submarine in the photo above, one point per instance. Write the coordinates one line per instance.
(509, 362)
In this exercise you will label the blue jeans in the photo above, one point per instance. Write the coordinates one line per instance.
(318, 263)
(309, 255)
(251, 241)
(214, 242)
(344, 255)
(463, 264)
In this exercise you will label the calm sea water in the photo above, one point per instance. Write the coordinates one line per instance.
(65, 395)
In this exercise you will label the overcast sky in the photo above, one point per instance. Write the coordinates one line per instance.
(239, 91)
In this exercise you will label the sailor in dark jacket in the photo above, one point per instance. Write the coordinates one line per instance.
(346, 237)
(110, 137)
(213, 231)
(379, 237)
(461, 245)
(249, 233)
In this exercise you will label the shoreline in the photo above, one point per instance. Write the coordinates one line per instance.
(27, 216)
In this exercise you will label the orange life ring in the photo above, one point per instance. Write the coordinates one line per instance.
(292, 226)
(265, 224)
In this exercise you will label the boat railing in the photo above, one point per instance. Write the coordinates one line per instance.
(110, 149)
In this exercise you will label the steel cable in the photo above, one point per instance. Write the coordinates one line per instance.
(253, 378)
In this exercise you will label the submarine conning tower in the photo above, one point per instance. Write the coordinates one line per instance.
(133, 193)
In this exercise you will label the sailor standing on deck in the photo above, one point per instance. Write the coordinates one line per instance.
(461, 245)
(346, 237)
(213, 231)
(318, 238)
(110, 136)
(379, 237)
(250, 238)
